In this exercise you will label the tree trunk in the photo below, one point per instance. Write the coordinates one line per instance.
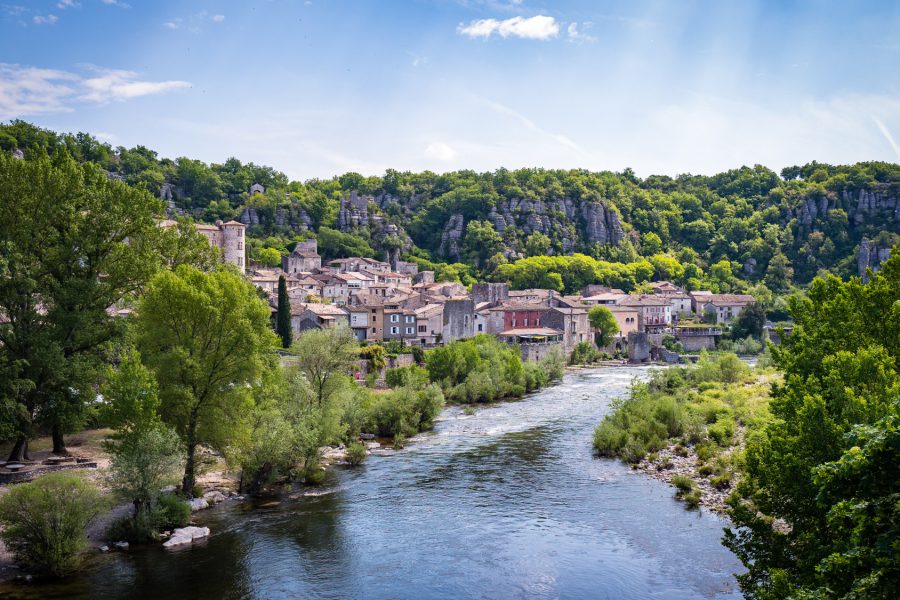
(59, 445)
(187, 484)
(19, 451)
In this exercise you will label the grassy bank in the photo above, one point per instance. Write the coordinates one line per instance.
(687, 425)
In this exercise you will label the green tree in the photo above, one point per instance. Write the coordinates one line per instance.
(779, 273)
(481, 241)
(270, 257)
(604, 324)
(324, 357)
(73, 244)
(283, 317)
(750, 321)
(537, 244)
(833, 417)
(145, 454)
(44, 521)
(651, 244)
(206, 338)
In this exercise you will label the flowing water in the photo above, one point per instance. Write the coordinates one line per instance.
(508, 503)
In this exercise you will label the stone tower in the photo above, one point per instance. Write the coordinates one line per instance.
(233, 243)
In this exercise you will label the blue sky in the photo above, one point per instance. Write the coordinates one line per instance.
(317, 88)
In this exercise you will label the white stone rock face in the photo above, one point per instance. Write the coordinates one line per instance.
(186, 535)
(198, 504)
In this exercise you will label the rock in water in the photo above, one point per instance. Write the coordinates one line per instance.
(186, 535)
(214, 497)
(198, 504)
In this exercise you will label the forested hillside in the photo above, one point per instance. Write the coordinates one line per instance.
(729, 231)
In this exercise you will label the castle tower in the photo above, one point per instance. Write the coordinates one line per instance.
(233, 243)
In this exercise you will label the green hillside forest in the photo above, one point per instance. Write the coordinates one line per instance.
(749, 228)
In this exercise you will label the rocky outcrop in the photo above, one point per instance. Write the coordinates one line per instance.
(882, 201)
(561, 219)
(870, 256)
(813, 208)
(249, 217)
(353, 212)
(186, 535)
(602, 224)
(451, 237)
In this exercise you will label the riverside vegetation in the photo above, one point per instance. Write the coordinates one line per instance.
(812, 454)
(193, 373)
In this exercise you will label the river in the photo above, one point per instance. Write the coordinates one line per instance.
(507, 503)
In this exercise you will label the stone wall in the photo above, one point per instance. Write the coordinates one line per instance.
(638, 347)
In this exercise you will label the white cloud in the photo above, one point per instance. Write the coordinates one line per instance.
(64, 4)
(418, 61)
(118, 3)
(28, 91)
(45, 20)
(193, 23)
(540, 27)
(440, 151)
(580, 37)
(112, 85)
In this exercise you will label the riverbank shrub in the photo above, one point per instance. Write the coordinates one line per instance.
(411, 375)
(484, 369)
(44, 521)
(406, 410)
(356, 453)
(700, 406)
(584, 353)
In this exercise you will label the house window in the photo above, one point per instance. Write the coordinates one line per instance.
(525, 323)
(410, 319)
(409, 330)
(537, 322)
(423, 328)
(373, 330)
(395, 330)
(514, 322)
(480, 327)
(573, 326)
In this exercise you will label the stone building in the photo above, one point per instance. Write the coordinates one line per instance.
(459, 319)
(228, 238)
(304, 259)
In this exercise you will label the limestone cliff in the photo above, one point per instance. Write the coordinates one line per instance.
(870, 256)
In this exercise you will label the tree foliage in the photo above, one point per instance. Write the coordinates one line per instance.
(836, 416)
(206, 338)
(604, 324)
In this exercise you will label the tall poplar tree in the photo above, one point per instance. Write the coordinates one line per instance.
(283, 319)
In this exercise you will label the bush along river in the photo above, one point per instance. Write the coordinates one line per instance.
(506, 503)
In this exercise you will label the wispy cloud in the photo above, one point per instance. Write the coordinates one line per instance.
(532, 126)
(539, 27)
(580, 37)
(118, 3)
(193, 23)
(44, 19)
(28, 91)
(64, 4)
(418, 61)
